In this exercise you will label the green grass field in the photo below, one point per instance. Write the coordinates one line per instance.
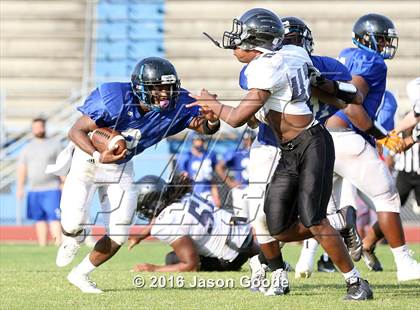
(30, 280)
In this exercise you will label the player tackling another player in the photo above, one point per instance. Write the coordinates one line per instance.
(145, 111)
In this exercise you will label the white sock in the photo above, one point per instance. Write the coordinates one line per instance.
(354, 273)
(85, 267)
(310, 246)
(336, 221)
(400, 254)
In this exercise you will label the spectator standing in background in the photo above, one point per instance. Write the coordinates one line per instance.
(44, 193)
(199, 164)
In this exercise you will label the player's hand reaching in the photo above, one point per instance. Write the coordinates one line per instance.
(206, 102)
(209, 114)
(393, 142)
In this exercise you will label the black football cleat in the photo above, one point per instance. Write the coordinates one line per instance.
(358, 289)
(371, 261)
(325, 265)
(349, 233)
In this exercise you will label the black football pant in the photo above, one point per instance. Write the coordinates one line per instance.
(302, 183)
(212, 263)
(407, 181)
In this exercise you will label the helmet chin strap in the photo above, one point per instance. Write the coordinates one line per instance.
(262, 50)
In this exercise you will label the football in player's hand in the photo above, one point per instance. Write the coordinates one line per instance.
(104, 139)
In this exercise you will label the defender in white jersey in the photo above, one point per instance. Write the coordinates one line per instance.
(412, 119)
(202, 236)
(278, 89)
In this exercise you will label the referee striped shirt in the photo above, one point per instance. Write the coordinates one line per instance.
(409, 161)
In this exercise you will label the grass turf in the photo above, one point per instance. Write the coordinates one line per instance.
(30, 280)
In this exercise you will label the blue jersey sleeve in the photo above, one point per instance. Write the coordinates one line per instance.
(387, 110)
(331, 68)
(96, 110)
(105, 103)
(183, 115)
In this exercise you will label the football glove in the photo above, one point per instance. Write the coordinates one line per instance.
(392, 142)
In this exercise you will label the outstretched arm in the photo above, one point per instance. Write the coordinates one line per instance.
(409, 121)
(235, 117)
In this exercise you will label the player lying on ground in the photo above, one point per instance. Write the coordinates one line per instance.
(279, 87)
(203, 237)
(145, 111)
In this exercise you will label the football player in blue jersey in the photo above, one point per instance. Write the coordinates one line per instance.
(278, 88)
(357, 160)
(145, 111)
(199, 164)
(233, 170)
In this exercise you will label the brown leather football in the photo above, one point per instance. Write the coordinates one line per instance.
(107, 139)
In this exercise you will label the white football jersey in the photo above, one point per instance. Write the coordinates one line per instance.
(285, 74)
(207, 226)
(413, 92)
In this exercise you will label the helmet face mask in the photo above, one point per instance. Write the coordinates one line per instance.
(386, 46)
(256, 28)
(376, 33)
(232, 39)
(156, 84)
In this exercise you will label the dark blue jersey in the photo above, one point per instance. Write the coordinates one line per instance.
(199, 168)
(372, 68)
(114, 105)
(237, 163)
(331, 69)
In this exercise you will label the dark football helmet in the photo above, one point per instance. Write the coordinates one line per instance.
(377, 33)
(151, 196)
(256, 28)
(296, 32)
(155, 73)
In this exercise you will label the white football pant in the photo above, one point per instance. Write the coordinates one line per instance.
(262, 164)
(240, 201)
(358, 162)
(116, 190)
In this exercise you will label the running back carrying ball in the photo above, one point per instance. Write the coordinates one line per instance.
(108, 139)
